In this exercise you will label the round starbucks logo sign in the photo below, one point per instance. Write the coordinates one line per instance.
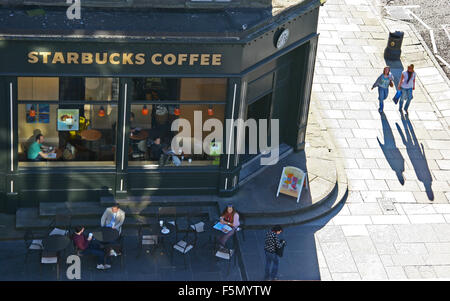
(282, 38)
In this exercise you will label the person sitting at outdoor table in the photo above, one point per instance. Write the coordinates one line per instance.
(90, 246)
(36, 151)
(113, 217)
(229, 217)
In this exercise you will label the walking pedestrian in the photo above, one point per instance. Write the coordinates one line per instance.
(383, 82)
(271, 244)
(407, 84)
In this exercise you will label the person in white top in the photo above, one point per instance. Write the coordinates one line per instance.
(407, 84)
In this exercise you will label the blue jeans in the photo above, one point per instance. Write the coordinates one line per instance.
(271, 260)
(94, 249)
(406, 95)
(382, 95)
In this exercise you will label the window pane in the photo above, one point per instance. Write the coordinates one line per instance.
(180, 89)
(78, 134)
(68, 88)
(38, 88)
(151, 138)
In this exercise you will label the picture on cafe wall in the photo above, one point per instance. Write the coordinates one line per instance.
(44, 113)
(68, 119)
(31, 113)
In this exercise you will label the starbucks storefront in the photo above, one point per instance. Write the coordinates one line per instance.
(106, 110)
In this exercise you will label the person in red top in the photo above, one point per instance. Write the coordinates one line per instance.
(90, 246)
(229, 217)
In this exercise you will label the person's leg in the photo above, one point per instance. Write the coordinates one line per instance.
(275, 261)
(382, 95)
(408, 99)
(268, 264)
(223, 240)
(96, 252)
(402, 97)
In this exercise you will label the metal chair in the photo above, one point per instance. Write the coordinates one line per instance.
(33, 244)
(147, 238)
(61, 221)
(183, 247)
(226, 253)
(50, 258)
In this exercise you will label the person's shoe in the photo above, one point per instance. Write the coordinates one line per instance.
(100, 267)
(107, 266)
(113, 253)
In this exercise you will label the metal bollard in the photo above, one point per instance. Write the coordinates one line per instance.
(393, 50)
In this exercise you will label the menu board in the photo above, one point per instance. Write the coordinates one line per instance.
(68, 119)
(292, 182)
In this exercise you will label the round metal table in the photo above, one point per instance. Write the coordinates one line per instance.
(106, 235)
(142, 135)
(55, 243)
(91, 135)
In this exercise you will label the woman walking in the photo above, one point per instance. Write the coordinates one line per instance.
(407, 84)
(383, 82)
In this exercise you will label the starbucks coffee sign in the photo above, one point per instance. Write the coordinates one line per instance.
(126, 58)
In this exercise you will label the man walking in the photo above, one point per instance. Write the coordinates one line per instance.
(271, 244)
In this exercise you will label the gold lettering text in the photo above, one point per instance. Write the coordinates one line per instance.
(170, 59)
(86, 58)
(103, 60)
(204, 59)
(154, 61)
(182, 58)
(140, 60)
(72, 57)
(58, 58)
(111, 59)
(32, 57)
(45, 56)
(216, 59)
(126, 58)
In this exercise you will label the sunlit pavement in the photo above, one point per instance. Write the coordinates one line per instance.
(394, 224)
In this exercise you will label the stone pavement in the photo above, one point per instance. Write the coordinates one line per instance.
(396, 221)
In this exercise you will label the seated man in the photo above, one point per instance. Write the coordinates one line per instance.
(35, 151)
(156, 149)
(90, 246)
(113, 217)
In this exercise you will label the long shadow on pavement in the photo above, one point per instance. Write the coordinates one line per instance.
(417, 155)
(390, 150)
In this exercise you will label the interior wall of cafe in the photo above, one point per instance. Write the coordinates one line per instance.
(47, 88)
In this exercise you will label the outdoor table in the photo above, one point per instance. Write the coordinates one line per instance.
(106, 235)
(91, 135)
(142, 135)
(55, 243)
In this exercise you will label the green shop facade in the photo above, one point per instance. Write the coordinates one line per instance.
(102, 103)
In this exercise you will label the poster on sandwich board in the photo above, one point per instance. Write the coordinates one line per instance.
(292, 181)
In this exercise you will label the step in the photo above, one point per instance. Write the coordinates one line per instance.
(156, 200)
(29, 218)
(327, 206)
(91, 209)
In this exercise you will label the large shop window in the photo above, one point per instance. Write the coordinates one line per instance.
(157, 103)
(76, 116)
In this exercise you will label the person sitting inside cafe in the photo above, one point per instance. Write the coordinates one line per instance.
(113, 217)
(156, 149)
(36, 150)
(229, 217)
(89, 246)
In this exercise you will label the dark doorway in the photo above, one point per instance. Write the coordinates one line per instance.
(258, 109)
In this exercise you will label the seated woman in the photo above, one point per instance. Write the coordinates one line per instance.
(229, 217)
(36, 150)
(90, 246)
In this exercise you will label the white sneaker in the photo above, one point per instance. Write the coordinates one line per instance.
(107, 266)
(113, 253)
(100, 266)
